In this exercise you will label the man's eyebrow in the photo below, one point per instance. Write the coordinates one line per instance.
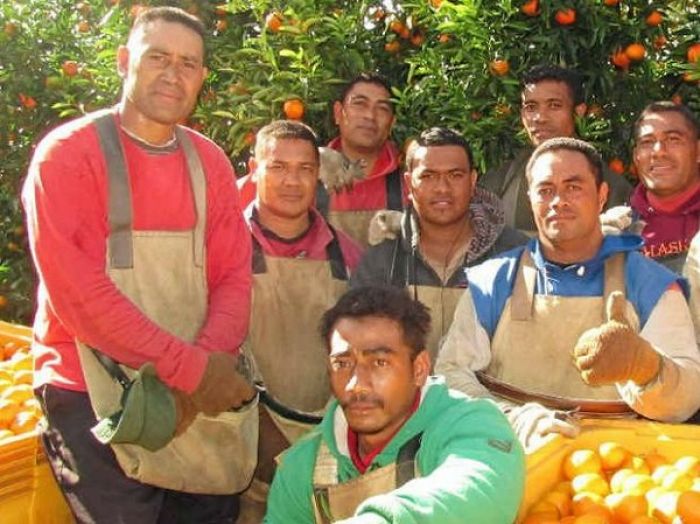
(380, 350)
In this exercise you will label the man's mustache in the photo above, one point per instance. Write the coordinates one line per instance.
(361, 398)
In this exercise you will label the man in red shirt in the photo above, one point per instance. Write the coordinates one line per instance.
(667, 157)
(142, 253)
(364, 115)
(301, 266)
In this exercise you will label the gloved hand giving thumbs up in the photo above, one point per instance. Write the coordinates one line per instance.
(613, 352)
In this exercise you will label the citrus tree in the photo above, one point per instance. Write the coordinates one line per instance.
(450, 63)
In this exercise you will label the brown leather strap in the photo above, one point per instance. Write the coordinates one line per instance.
(589, 407)
(271, 442)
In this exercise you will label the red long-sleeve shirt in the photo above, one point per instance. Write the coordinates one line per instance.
(65, 198)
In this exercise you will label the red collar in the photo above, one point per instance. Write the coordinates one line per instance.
(362, 463)
(675, 202)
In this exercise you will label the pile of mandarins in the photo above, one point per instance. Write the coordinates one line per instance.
(19, 410)
(611, 485)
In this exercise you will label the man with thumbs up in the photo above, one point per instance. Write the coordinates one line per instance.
(574, 320)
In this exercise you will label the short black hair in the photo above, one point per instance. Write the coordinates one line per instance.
(393, 303)
(365, 78)
(169, 14)
(286, 130)
(668, 107)
(438, 136)
(542, 72)
(595, 161)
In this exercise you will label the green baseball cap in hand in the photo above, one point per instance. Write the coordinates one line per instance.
(148, 416)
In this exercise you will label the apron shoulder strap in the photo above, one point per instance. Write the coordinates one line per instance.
(406, 468)
(335, 256)
(323, 199)
(258, 263)
(394, 198)
(522, 298)
(199, 191)
(119, 213)
(614, 275)
(326, 467)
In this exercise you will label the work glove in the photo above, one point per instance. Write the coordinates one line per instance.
(620, 219)
(533, 422)
(337, 171)
(222, 387)
(185, 411)
(385, 225)
(613, 352)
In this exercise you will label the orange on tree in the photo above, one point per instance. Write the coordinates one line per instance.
(83, 26)
(397, 26)
(565, 16)
(10, 29)
(27, 101)
(435, 3)
(616, 166)
(611, 3)
(531, 8)
(443, 38)
(635, 52)
(620, 59)
(392, 47)
(417, 37)
(693, 53)
(69, 68)
(660, 41)
(654, 19)
(273, 22)
(499, 67)
(293, 109)
(221, 25)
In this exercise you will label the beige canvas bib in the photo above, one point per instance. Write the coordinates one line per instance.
(333, 501)
(163, 274)
(355, 224)
(442, 302)
(531, 349)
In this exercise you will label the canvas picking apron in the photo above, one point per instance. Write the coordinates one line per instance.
(333, 501)
(286, 352)
(163, 274)
(442, 302)
(531, 349)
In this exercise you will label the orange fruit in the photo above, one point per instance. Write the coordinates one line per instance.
(24, 376)
(660, 42)
(83, 26)
(637, 464)
(18, 393)
(444, 38)
(540, 518)
(571, 519)
(565, 16)
(582, 461)
(10, 29)
(626, 506)
(655, 460)
(616, 166)
(688, 464)
(8, 412)
(590, 483)
(593, 518)
(397, 26)
(544, 507)
(564, 487)
(10, 348)
(70, 68)
(221, 25)
(5, 433)
(618, 478)
(693, 53)
(612, 455)
(436, 3)
(273, 22)
(499, 67)
(293, 109)
(582, 503)
(654, 19)
(677, 481)
(27, 101)
(392, 47)
(688, 507)
(21, 361)
(531, 8)
(620, 59)
(644, 519)
(24, 422)
(635, 52)
(561, 500)
(637, 483)
(611, 3)
(417, 37)
(664, 506)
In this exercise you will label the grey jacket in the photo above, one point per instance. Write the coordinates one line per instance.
(399, 262)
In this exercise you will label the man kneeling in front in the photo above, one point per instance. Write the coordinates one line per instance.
(395, 445)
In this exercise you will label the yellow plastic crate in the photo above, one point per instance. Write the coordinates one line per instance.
(544, 466)
(28, 491)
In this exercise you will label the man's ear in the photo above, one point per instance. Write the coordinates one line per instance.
(122, 61)
(421, 368)
(580, 109)
(602, 196)
(408, 182)
(474, 177)
(253, 168)
(337, 112)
